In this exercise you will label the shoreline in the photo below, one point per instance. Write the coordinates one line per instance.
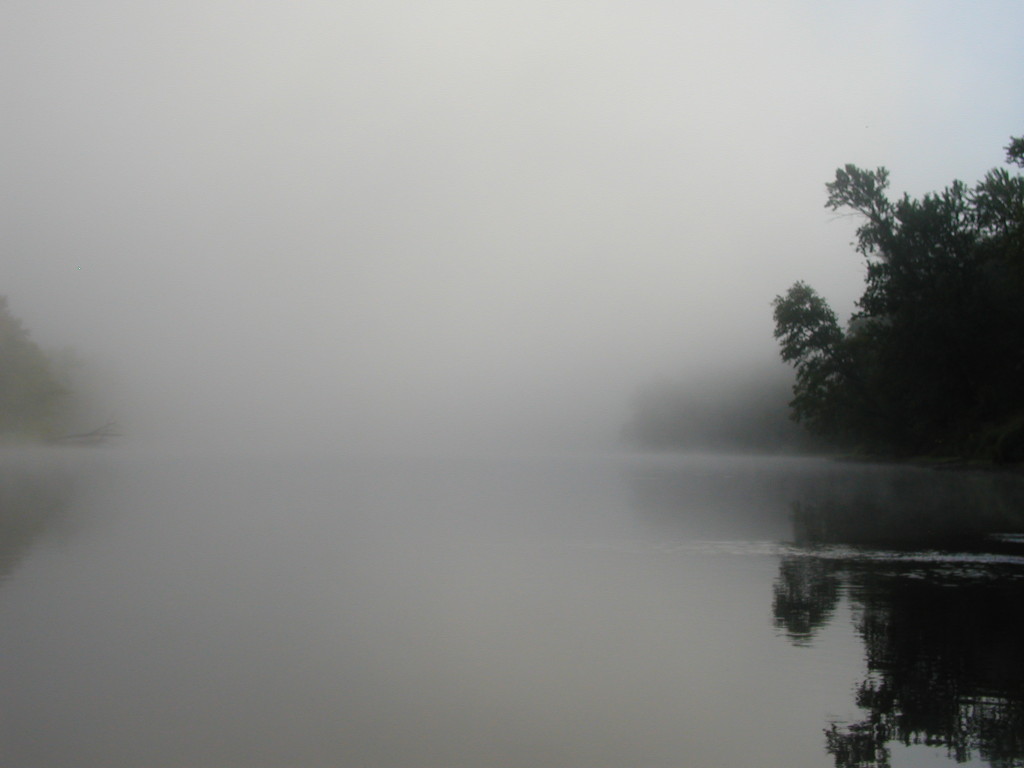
(940, 463)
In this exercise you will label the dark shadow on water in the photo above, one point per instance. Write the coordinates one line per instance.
(944, 666)
(805, 596)
(33, 496)
(932, 567)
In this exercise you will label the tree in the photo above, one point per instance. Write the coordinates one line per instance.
(812, 341)
(31, 397)
(933, 359)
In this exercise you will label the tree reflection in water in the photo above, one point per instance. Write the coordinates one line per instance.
(32, 496)
(806, 594)
(943, 654)
(937, 600)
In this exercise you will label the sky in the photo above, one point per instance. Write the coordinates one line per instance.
(410, 223)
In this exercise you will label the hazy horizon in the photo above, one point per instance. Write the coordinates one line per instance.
(454, 223)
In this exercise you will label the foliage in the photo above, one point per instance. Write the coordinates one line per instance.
(933, 359)
(31, 396)
(738, 410)
(940, 631)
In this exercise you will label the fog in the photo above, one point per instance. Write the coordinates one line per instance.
(456, 223)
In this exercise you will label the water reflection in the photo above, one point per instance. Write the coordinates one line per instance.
(805, 597)
(204, 611)
(33, 495)
(935, 585)
(943, 667)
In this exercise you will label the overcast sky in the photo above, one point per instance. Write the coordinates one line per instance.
(368, 222)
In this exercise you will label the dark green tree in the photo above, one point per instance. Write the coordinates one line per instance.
(933, 358)
(31, 396)
(811, 340)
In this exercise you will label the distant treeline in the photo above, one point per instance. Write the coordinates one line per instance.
(35, 388)
(738, 411)
(932, 361)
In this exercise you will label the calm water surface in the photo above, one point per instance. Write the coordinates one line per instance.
(163, 610)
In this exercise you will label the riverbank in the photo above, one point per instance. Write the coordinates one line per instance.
(948, 463)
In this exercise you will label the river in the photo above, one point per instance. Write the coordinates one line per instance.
(164, 609)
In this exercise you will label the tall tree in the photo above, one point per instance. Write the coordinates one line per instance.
(933, 358)
(31, 397)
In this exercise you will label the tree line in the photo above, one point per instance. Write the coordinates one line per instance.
(932, 360)
(35, 395)
(738, 410)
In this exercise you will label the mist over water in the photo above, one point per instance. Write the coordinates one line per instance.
(373, 292)
(454, 224)
(188, 609)
(373, 613)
